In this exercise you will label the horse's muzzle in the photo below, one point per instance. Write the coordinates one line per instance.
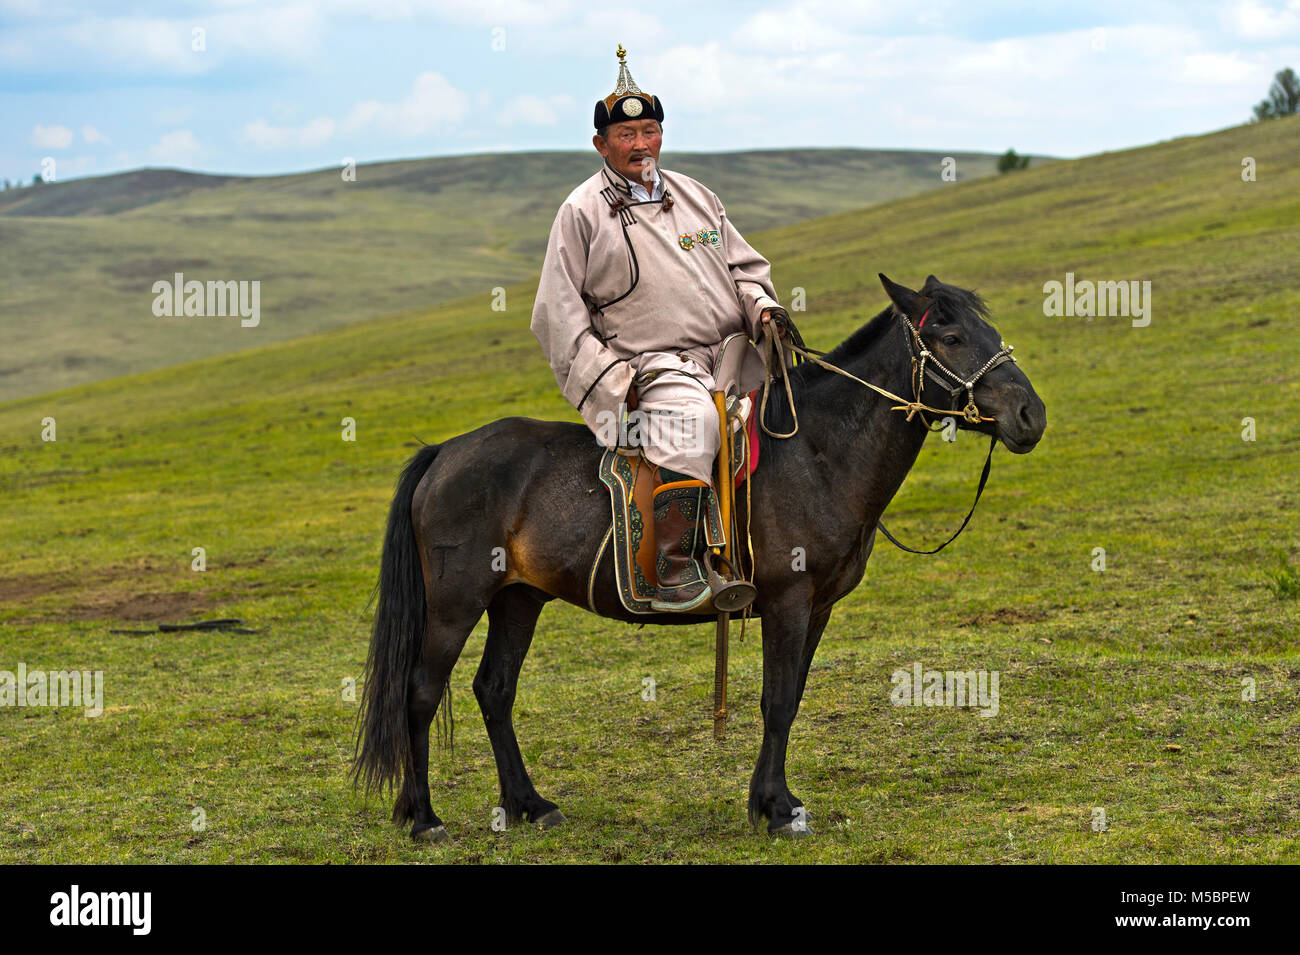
(1021, 420)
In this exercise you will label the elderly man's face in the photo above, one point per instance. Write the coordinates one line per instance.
(629, 145)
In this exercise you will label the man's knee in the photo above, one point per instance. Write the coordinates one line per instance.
(692, 429)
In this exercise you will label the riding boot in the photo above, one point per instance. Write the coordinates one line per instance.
(679, 539)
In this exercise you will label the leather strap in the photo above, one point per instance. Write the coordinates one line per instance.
(984, 477)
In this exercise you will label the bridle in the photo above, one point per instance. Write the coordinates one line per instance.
(921, 357)
(925, 364)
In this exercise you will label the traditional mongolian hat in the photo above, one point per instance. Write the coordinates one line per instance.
(627, 101)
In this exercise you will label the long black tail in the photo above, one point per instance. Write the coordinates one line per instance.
(382, 754)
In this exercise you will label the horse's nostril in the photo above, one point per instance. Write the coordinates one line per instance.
(1024, 416)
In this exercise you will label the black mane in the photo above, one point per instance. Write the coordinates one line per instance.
(862, 339)
(778, 416)
(953, 303)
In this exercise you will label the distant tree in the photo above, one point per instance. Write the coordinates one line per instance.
(37, 180)
(1283, 97)
(1009, 161)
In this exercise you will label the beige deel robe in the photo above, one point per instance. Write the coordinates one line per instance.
(686, 301)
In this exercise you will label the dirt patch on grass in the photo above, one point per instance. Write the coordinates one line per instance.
(1039, 812)
(92, 595)
(1004, 615)
(153, 607)
(33, 586)
(149, 607)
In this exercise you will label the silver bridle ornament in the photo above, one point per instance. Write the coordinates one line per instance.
(971, 412)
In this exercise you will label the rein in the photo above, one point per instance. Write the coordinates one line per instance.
(773, 348)
(984, 477)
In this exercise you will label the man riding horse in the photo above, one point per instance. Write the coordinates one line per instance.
(644, 278)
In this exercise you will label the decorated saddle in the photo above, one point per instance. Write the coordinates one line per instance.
(631, 536)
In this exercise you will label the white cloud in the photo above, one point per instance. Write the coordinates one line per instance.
(20, 8)
(52, 137)
(931, 74)
(599, 25)
(1255, 21)
(72, 166)
(15, 53)
(173, 115)
(177, 148)
(434, 105)
(691, 77)
(151, 43)
(309, 135)
(1215, 69)
(1075, 91)
(156, 45)
(808, 27)
(475, 12)
(531, 110)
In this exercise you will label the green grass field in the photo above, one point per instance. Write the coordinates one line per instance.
(1120, 690)
(81, 257)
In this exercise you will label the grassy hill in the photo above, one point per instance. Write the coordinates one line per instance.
(81, 257)
(1121, 690)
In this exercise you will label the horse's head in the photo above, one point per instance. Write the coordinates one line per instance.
(967, 364)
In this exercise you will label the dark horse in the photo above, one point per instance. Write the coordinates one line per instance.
(527, 490)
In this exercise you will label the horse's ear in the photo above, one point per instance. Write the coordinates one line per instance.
(930, 282)
(905, 300)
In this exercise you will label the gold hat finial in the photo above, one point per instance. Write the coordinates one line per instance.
(625, 84)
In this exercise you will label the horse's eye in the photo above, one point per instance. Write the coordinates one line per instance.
(951, 340)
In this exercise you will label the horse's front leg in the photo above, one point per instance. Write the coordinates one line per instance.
(785, 636)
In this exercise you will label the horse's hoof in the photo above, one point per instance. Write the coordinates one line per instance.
(431, 834)
(791, 831)
(551, 820)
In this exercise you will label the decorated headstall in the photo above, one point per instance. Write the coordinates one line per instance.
(927, 365)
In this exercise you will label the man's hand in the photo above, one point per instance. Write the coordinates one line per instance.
(779, 316)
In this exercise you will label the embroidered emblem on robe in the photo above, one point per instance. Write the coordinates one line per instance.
(703, 237)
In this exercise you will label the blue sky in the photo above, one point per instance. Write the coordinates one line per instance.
(289, 86)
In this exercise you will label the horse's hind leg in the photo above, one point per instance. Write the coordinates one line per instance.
(444, 639)
(512, 618)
